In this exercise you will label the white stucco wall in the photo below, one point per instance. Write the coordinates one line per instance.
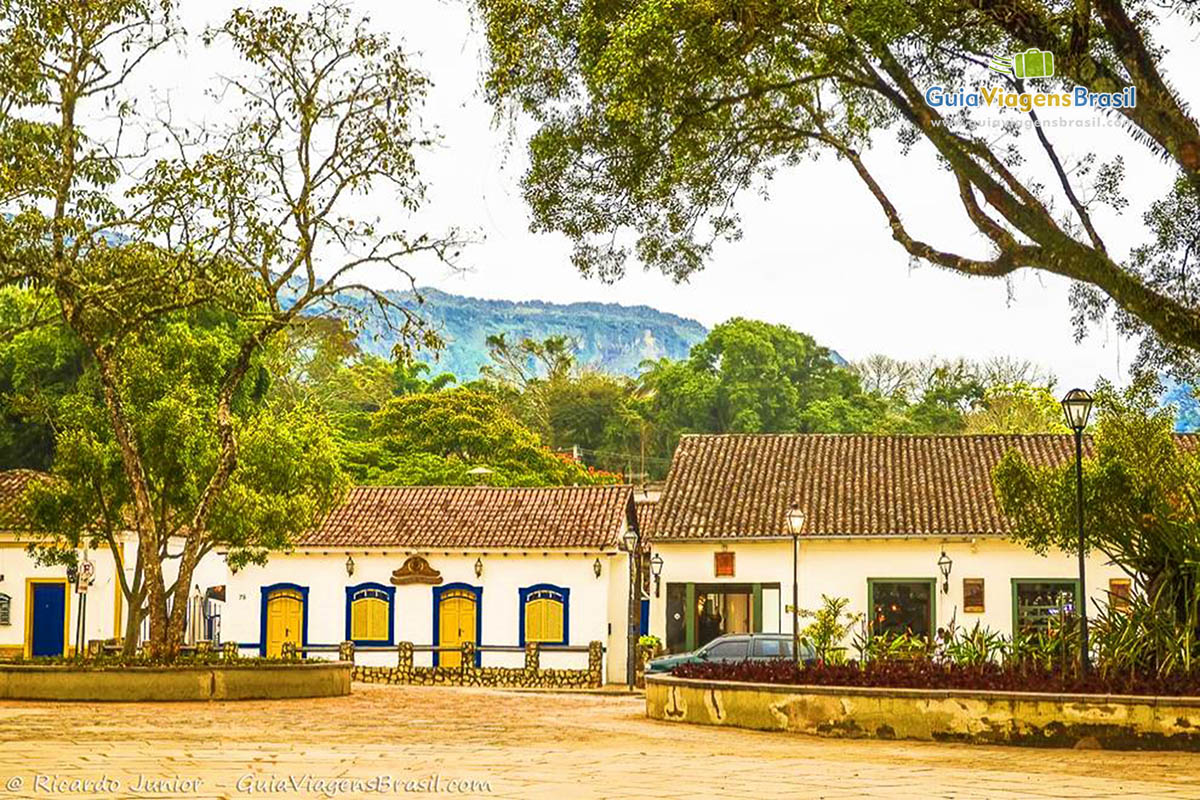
(591, 599)
(106, 607)
(17, 568)
(841, 568)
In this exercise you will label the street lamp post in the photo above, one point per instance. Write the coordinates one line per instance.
(656, 565)
(631, 540)
(1077, 405)
(796, 524)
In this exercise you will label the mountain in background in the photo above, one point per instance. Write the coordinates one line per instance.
(608, 337)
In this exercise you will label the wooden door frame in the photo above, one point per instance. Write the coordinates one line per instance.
(266, 592)
(697, 588)
(438, 591)
(29, 584)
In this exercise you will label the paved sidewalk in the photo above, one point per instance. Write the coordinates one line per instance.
(521, 745)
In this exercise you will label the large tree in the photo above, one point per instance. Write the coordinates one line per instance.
(461, 436)
(252, 216)
(1141, 496)
(653, 116)
(288, 472)
(749, 376)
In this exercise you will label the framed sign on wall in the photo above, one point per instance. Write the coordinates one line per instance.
(973, 595)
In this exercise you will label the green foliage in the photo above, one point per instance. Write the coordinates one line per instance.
(1140, 491)
(1140, 638)
(754, 377)
(1142, 511)
(38, 368)
(649, 640)
(175, 270)
(892, 646)
(287, 475)
(437, 438)
(765, 375)
(1016, 408)
(973, 648)
(749, 376)
(829, 628)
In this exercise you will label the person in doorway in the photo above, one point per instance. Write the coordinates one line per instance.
(709, 625)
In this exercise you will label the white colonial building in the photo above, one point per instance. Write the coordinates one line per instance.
(880, 519)
(906, 528)
(39, 610)
(43, 614)
(439, 566)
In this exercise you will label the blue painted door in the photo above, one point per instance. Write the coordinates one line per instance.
(49, 607)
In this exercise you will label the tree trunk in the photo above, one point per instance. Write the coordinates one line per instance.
(177, 624)
(133, 624)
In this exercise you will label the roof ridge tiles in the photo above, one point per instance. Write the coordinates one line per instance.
(729, 486)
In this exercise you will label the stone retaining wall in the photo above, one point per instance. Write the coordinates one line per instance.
(216, 682)
(1047, 720)
(531, 676)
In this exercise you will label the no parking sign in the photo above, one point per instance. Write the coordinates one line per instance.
(87, 572)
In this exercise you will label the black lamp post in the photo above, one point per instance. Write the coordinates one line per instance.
(796, 524)
(1077, 406)
(656, 565)
(631, 540)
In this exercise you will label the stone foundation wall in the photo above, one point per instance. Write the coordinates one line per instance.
(237, 681)
(531, 676)
(1021, 718)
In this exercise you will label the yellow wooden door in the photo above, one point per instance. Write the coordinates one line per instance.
(285, 618)
(456, 624)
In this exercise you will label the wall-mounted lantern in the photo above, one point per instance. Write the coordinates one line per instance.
(945, 564)
(479, 568)
(631, 540)
(596, 567)
(656, 565)
(349, 566)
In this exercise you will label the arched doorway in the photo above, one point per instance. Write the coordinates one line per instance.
(284, 612)
(456, 620)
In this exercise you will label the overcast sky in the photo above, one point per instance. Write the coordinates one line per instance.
(816, 254)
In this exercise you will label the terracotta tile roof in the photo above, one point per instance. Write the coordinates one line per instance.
(12, 496)
(646, 511)
(456, 517)
(645, 514)
(741, 486)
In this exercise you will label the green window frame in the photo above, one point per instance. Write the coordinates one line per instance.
(1016, 605)
(930, 582)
